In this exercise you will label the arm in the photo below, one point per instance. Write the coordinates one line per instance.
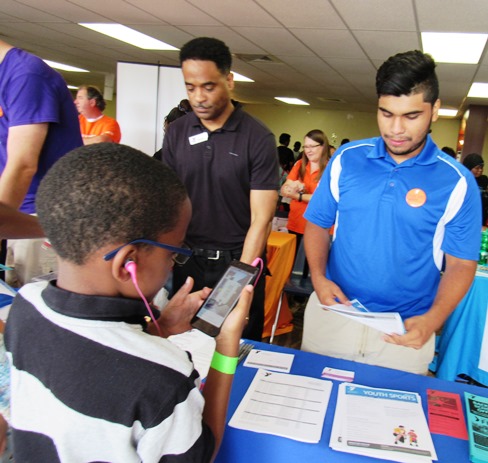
(218, 385)
(292, 190)
(454, 284)
(15, 224)
(106, 130)
(263, 206)
(317, 242)
(91, 139)
(24, 146)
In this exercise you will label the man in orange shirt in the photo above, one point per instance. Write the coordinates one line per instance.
(95, 126)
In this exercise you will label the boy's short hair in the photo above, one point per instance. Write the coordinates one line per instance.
(408, 73)
(106, 193)
(208, 49)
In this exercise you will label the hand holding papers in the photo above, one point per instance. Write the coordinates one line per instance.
(284, 405)
(386, 322)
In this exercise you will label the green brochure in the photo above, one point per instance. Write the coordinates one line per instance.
(477, 414)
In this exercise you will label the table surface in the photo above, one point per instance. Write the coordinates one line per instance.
(462, 335)
(249, 447)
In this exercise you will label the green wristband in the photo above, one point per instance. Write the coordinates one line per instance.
(224, 364)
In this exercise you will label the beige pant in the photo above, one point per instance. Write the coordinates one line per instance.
(30, 259)
(327, 333)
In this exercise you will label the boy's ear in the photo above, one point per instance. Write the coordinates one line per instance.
(119, 271)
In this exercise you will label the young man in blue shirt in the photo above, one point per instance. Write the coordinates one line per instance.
(401, 208)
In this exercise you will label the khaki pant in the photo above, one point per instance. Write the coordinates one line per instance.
(328, 333)
(30, 259)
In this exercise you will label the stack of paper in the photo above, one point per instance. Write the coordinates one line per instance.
(386, 322)
(477, 412)
(381, 423)
(284, 405)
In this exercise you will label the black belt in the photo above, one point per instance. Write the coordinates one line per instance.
(213, 254)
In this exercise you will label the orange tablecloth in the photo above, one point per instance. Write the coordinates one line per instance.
(280, 254)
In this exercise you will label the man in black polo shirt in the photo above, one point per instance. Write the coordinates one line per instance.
(227, 161)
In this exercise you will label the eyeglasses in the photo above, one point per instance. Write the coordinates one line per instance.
(180, 255)
(309, 147)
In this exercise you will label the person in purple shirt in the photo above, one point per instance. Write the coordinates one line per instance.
(38, 125)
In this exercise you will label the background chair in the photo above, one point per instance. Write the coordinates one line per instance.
(297, 285)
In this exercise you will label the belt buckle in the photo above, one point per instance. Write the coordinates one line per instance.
(217, 256)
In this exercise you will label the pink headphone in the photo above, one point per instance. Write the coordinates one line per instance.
(131, 267)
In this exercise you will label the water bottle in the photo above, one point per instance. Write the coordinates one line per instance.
(484, 248)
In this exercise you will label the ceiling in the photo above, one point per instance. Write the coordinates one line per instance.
(325, 52)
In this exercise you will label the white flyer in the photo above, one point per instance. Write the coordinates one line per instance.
(483, 362)
(381, 423)
(275, 361)
(386, 322)
(284, 405)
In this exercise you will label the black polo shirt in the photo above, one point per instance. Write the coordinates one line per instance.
(219, 169)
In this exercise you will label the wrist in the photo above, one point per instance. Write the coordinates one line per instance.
(223, 363)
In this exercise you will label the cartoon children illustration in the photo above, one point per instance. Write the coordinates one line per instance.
(412, 437)
(400, 434)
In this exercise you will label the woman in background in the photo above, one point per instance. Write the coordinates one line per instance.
(303, 179)
(475, 163)
(181, 110)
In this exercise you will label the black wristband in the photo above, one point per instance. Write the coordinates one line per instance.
(300, 194)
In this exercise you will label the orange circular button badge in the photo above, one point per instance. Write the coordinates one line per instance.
(416, 197)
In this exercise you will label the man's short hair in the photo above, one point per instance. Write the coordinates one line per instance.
(103, 194)
(448, 150)
(284, 138)
(408, 73)
(473, 160)
(208, 49)
(93, 93)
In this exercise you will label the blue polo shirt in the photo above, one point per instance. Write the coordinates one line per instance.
(394, 222)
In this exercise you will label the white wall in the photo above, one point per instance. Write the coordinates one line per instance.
(354, 125)
(145, 95)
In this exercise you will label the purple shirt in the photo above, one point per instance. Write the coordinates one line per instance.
(31, 92)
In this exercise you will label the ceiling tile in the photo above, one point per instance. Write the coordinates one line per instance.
(176, 12)
(274, 40)
(238, 13)
(377, 15)
(380, 45)
(452, 15)
(330, 43)
(313, 14)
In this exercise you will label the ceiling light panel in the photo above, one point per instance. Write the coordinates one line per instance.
(458, 48)
(288, 100)
(128, 35)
